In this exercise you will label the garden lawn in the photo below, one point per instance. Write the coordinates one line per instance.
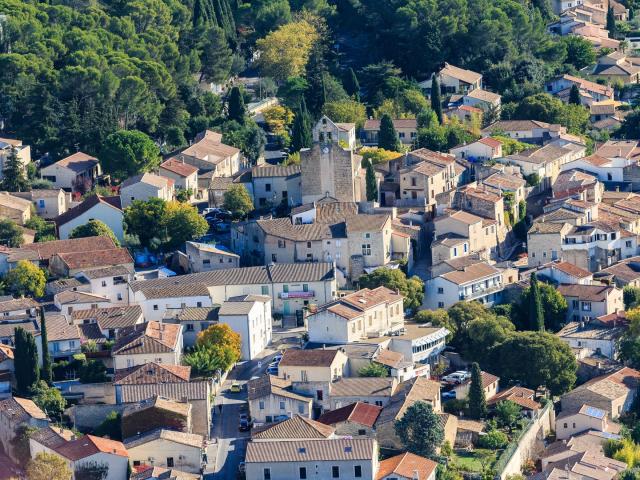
(473, 461)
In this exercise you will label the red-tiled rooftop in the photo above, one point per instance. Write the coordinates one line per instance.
(359, 412)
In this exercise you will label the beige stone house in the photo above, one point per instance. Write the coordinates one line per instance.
(49, 203)
(184, 175)
(587, 302)
(501, 182)
(356, 316)
(454, 80)
(77, 172)
(166, 448)
(572, 422)
(486, 148)
(204, 257)
(429, 174)
(14, 413)
(272, 399)
(208, 154)
(274, 185)
(481, 232)
(544, 242)
(356, 419)
(148, 342)
(489, 385)
(15, 208)
(407, 129)
(613, 393)
(616, 66)
(144, 187)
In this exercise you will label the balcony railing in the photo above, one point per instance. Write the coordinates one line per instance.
(297, 294)
(481, 292)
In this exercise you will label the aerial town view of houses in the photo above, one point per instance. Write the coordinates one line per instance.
(320, 239)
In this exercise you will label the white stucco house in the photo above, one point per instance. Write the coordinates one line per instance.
(77, 172)
(148, 342)
(249, 316)
(106, 209)
(145, 186)
(167, 448)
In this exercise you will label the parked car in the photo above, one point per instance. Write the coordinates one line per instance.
(235, 387)
(450, 395)
(457, 377)
(245, 422)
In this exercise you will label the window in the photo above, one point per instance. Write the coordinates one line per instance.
(401, 134)
(305, 287)
(170, 462)
(282, 406)
(267, 474)
(104, 283)
(303, 472)
(367, 235)
(413, 181)
(262, 201)
(264, 290)
(440, 290)
(189, 327)
(41, 203)
(261, 404)
(308, 244)
(206, 261)
(285, 194)
(282, 244)
(335, 472)
(267, 187)
(319, 395)
(274, 258)
(119, 296)
(269, 418)
(301, 408)
(440, 304)
(199, 304)
(285, 288)
(628, 243)
(575, 304)
(155, 307)
(379, 403)
(357, 471)
(565, 425)
(586, 306)
(366, 249)
(362, 432)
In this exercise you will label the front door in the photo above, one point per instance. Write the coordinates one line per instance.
(286, 308)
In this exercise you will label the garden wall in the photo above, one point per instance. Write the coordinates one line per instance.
(529, 445)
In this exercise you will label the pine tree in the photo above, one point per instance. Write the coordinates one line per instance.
(388, 137)
(436, 98)
(351, 84)
(477, 400)
(301, 135)
(235, 107)
(216, 56)
(611, 22)
(27, 372)
(45, 372)
(372, 185)
(536, 315)
(574, 95)
(14, 178)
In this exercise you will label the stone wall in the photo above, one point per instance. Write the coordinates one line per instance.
(88, 417)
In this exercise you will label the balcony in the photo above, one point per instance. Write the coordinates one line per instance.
(481, 292)
(297, 294)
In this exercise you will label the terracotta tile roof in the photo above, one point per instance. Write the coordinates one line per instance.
(520, 125)
(571, 269)
(91, 332)
(591, 86)
(481, 193)
(359, 412)
(545, 228)
(97, 258)
(491, 142)
(468, 108)
(110, 271)
(148, 178)
(519, 395)
(16, 304)
(467, 76)
(13, 202)
(311, 450)
(593, 293)
(69, 297)
(46, 250)
(461, 216)
(356, 304)
(187, 439)
(308, 358)
(504, 181)
(178, 167)
(209, 147)
(612, 385)
(270, 385)
(89, 445)
(363, 387)
(390, 358)
(437, 158)
(179, 290)
(78, 162)
(297, 427)
(148, 472)
(194, 314)
(484, 95)
(487, 379)
(153, 373)
(86, 205)
(21, 409)
(471, 273)
(275, 171)
(150, 337)
(52, 437)
(58, 329)
(162, 403)
(407, 465)
(263, 275)
(197, 390)
(110, 317)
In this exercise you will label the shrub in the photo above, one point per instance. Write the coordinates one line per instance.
(493, 440)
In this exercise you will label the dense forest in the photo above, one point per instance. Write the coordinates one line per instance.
(74, 71)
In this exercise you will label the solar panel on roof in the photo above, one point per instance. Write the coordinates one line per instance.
(610, 435)
(595, 412)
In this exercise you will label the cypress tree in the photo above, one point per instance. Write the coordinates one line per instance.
(235, 107)
(45, 373)
(372, 185)
(574, 95)
(477, 400)
(388, 137)
(611, 22)
(351, 84)
(26, 362)
(301, 135)
(14, 178)
(436, 98)
(536, 315)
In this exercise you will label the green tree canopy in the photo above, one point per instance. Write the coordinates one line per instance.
(346, 111)
(27, 367)
(373, 370)
(14, 177)
(412, 289)
(26, 279)
(372, 184)
(580, 52)
(48, 466)
(387, 136)
(49, 399)
(238, 201)
(554, 308)
(94, 228)
(535, 315)
(420, 430)
(436, 99)
(216, 56)
(235, 108)
(11, 235)
(217, 348)
(477, 398)
(46, 374)
(128, 152)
